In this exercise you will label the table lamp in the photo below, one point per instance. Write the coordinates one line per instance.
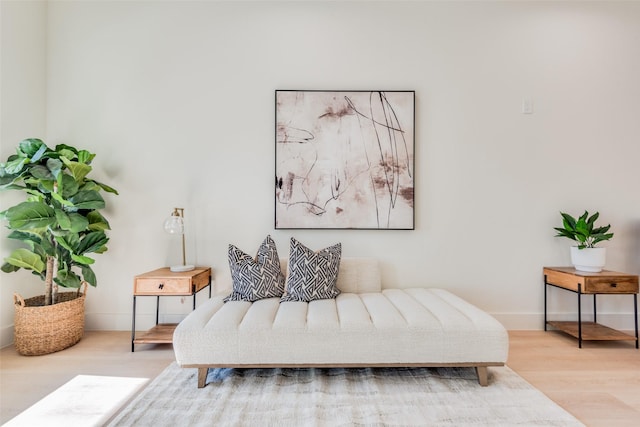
(175, 225)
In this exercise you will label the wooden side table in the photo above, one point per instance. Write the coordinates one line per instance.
(164, 282)
(580, 282)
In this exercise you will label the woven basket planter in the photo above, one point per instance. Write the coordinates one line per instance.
(42, 329)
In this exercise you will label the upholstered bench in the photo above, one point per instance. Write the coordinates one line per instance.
(364, 325)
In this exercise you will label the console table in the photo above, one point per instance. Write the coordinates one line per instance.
(164, 282)
(580, 282)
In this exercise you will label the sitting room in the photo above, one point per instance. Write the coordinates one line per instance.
(319, 202)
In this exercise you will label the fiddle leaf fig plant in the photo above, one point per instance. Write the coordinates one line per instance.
(583, 230)
(60, 221)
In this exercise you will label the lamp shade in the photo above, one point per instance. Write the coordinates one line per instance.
(174, 225)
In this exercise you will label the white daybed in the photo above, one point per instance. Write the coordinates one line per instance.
(363, 326)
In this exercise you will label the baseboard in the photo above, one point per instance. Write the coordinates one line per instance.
(6, 336)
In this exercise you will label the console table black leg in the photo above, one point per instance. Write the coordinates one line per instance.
(595, 318)
(579, 317)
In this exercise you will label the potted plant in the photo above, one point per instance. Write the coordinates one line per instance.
(585, 256)
(60, 224)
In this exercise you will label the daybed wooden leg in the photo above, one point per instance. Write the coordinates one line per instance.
(483, 375)
(202, 377)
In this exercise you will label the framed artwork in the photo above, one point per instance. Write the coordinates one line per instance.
(344, 159)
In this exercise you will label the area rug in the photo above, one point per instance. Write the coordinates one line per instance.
(342, 397)
(86, 400)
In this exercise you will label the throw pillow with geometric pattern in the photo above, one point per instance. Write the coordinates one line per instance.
(312, 275)
(255, 279)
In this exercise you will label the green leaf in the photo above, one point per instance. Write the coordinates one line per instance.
(55, 166)
(67, 186)
(601, 238)
(62, 241)
(88, 275)
(15, 166)
(78, 223)
(58, 198)
(582, 228)
(584, 216)
(78, 170)
(101, 250)
(564, 233)
(106, 188)
(8, 182)
(68, 279)
(9, 268)
(97, 222)
(568, 221)
(24, 258)
(41, 172)
(87, 200)
(46, 247)
(63, 219)
(45, 187)
(30, 215)
(25, 236)
(81, 259)
(31, 146)
(66, 150)
(601, 230)
(92, 242)
(85, 156)
(40, 153)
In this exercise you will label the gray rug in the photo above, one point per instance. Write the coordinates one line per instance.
(342, 397)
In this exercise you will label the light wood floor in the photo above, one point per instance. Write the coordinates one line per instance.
(599, 384)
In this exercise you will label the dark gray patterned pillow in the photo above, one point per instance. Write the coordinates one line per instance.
(255, 279)
(312, 275)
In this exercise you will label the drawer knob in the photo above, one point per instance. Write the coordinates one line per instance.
(161, 286)
(614, 285)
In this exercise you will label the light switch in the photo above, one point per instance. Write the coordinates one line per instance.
(527, 106)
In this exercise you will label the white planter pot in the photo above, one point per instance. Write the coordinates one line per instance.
(588, 259)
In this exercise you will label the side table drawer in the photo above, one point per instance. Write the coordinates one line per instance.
(202, 280)
(609, 286)
(162, 286)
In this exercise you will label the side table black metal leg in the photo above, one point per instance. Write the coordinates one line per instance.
(595, 316)
(545, 302)
(133, 325)
(635, 315)
(157, 309)
(579, 317)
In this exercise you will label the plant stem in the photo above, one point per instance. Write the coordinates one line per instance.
(54, 285)
(48, 280)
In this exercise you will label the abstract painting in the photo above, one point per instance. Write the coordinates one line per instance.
(344, 159)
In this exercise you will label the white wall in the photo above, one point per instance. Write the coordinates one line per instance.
(23, 29)
(177, 100)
